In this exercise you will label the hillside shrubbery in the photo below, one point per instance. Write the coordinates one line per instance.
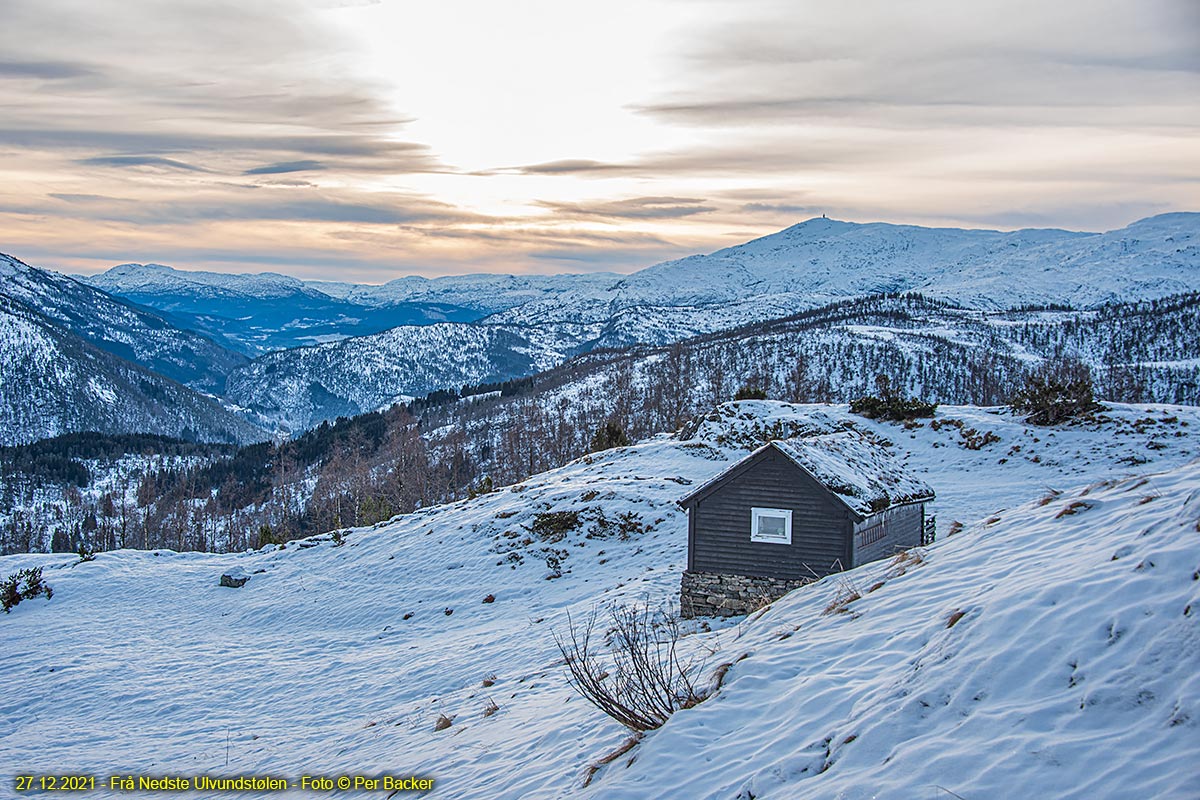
(890, 404)
(608, 436)
(23, 585)
(1056, 392)
(630, 668)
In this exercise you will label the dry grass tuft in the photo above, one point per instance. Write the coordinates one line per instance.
(443, 722)
(954, 618)
(847, 593)
(1072, 509)
(625, 747)
(1049, 497)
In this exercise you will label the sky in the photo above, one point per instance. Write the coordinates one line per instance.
(362, 140)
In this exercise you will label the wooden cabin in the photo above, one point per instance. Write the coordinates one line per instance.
(792, 512)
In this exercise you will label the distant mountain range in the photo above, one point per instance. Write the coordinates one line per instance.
(256, 314)
(55, 380)
(365, 347)
(805, 266)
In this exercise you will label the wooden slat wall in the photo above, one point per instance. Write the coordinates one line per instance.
(720, 525)
(902, 530)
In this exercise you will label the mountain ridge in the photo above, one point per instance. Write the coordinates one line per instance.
(118, 326)
(816, 232)
(53, 381)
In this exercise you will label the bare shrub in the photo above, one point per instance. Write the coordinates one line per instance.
(891, 404)
(633, 671)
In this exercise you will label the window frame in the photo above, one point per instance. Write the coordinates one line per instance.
(757, 514)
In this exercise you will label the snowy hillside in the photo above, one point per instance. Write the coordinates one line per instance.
(944, 354)
(117, 327)
(53, 382)
(299, 388)
(1046, 649)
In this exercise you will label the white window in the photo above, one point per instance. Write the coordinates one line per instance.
(771, 525)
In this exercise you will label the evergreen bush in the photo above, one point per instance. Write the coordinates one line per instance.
(890, 404)
(750, 393)
(608, 436)
(25, 584)
(1055, 392)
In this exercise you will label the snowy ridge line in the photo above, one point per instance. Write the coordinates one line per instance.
(819, 258)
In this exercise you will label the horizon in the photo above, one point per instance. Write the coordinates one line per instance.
(363, 140)
(636, 268)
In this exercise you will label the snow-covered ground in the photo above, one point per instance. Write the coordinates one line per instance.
(1071, 670)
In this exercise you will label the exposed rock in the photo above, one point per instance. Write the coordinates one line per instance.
(234, 581)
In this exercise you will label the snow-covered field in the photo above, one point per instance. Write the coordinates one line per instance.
(1071, 670)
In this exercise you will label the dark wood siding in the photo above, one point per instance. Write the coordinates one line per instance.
(719, 527)
(888, 532)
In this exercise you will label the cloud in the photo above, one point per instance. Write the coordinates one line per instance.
(780, 208)
(757, 154)
(267, 204)
(567, 167)
(306, 165)
(46, 70)
(84, 198)
(139, 161)
(631, 208)
(244, 88)
(357, 151)
(287, 136)
(937, 62)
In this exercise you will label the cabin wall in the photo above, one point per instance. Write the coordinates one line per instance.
(720, 525)
(886, 533)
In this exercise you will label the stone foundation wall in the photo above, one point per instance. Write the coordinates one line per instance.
(708, 594)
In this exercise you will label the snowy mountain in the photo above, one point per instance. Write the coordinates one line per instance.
(1138, 352)
(52, 381)
(265, 312)
(1042, 650)
(533, 322)
(805, 266)
(117, 327)
(822, 261)
(511, 326)
(482, 293)
(301, 387)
